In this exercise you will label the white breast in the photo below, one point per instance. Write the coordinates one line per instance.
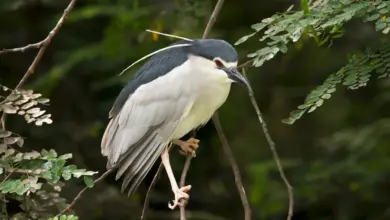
(212, 88)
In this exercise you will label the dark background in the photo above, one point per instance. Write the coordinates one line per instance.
(336, 158)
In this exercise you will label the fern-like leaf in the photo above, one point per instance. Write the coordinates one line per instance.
(25, 102)
(354, 75)
(323, 22)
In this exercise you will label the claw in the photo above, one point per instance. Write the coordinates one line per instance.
(188, 147)
(179, 194)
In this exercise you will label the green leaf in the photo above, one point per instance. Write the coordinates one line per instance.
(65, 156)
(4, 134)
(382, 5)
(319, 102)
(297, 114)
(7, 186)
(326, 96)
(373, 17)
(82, 172)
(288, 121)
(244, 38)
(283, 48)
(331, 90)
(47, 175)
(386, 30)
(305, 6)
(383, 11)
(314, 107)
(43, 100)
(44, 152)
(70, 167)
(379, 25)
(88, 181)
(259, 26)
(67, 175)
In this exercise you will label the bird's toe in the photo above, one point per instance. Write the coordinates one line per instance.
(179, 194)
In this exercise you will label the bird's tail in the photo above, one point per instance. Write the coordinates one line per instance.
(139, 158)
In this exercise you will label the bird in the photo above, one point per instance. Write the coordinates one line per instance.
(176, 91)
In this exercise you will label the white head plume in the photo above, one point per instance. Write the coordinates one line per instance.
(160, 50)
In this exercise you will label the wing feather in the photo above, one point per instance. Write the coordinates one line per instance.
(136, 136)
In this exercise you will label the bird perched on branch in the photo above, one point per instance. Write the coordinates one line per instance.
(177, 90)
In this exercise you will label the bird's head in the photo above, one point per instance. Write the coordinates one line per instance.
(219, 55)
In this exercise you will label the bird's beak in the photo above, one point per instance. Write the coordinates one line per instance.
(236, 76)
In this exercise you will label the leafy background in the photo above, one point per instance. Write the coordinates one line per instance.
(336, 158)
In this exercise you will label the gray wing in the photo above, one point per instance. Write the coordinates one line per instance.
(136, 136)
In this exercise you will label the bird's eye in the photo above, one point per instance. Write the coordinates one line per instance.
(218, 63)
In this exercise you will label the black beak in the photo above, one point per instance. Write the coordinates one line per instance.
(237, 76)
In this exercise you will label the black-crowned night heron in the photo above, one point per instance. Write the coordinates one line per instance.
(177, 90)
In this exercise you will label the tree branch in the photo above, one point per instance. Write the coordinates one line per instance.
(275, 155)
(150, 189)
(183, 202)
(104, 175)
(187, 164)
(42, 45)
(23, 49)
(233, 164)
(6, 177)
(213, 18)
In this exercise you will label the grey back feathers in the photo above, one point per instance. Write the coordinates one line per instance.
(163, 62)
(142, 120)
(158, 65)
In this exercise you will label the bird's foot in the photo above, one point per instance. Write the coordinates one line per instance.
(188, 147)
(179, 194)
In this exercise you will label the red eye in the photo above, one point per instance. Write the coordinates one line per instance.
(218, 63)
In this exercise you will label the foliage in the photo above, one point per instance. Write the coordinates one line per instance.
(324, 21)
(65, 217)
(27, 174)
(354, 75)
(22, 103)
(345, 176)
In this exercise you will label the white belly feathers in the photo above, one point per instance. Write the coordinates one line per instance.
(212, 91)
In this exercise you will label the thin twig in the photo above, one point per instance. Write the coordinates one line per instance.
(104, 175)
(233, 164)
(187, 164)
(46, 43)
(213, 18)
(275, 155)
(42, 45)
(247, 63)
(183, 202)
(149, 192)
(23, 49)
(6, 177)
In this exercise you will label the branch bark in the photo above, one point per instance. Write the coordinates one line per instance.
(187, 164)
(150, 189)
(275, 155)
(225, 144)
(42, 44)
(104, 175)
(183, 202)
(233, 164)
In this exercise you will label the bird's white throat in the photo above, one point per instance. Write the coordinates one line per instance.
(211, 88)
